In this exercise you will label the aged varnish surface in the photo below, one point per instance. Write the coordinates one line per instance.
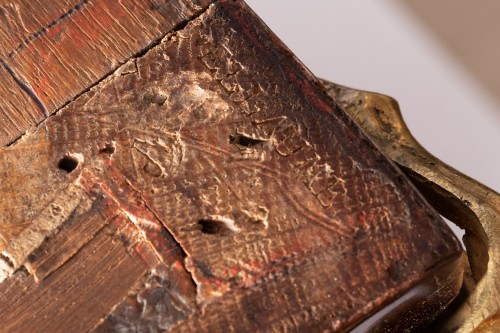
(180, 170)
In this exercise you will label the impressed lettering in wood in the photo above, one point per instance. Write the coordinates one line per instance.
(207, 184)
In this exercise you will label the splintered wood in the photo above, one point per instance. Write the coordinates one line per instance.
(208, 183)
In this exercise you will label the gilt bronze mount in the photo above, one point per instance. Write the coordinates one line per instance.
(468, 203)
(169, 165)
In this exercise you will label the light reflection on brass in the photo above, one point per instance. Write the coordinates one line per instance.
(471, 205)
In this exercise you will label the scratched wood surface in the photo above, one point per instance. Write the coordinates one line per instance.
(55, 50)
(197, 178)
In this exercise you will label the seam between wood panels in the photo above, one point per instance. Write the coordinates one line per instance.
(43, 29)
(137, 55)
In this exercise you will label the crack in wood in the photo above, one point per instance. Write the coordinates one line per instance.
(30, 92)
(44, 29)
(268, 207)
(164, 37)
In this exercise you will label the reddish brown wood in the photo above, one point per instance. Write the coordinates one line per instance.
(18, 111)
(56, 50)
(77, 295)
(22, 21)
(216, 173)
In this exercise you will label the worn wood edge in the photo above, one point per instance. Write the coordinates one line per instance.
(25, 86)
(466, 202)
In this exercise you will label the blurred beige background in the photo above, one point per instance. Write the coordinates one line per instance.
(440, 59)
(470, 30)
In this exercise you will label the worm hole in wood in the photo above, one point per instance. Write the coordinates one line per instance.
(217, 225)
(109, 149)
(244, 140)
(68, 163)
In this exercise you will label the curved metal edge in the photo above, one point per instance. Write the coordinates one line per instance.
(471, 205)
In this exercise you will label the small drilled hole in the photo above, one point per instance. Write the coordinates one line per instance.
(245, 141)
(217, 225)
(108, 149)
(68, 164)
(209, 227)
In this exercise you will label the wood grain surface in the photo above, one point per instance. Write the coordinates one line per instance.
(55, 50)
(209, 183)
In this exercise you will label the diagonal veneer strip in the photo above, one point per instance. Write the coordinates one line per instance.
(44, 43)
